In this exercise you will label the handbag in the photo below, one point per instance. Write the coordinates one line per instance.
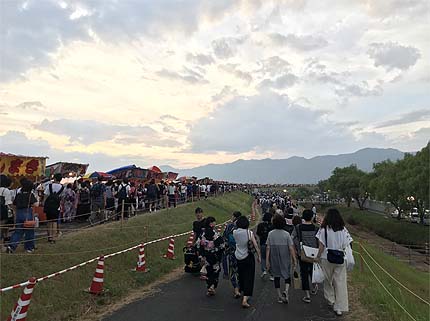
(334, 256)
(30, 223)
(303, 256)
(318, 275)
(251, 247)
(297, 282)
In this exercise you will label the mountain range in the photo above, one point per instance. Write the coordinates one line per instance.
(293, 170)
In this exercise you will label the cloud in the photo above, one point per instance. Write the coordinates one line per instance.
(411, 117)
(34, 30)
(16, 142)
(200, 59)
(226, 47)
(392, 55)
(269, 122)
(299, 42)
(226, 92)
(234, 70)
(278, 72)
(359, 90)
(91, 131)
(31, 105)
(280, 82)
(187, 75)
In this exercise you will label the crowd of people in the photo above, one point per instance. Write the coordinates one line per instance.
(279, 246)
(95, 201)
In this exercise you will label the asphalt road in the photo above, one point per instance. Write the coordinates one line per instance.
(184, 300)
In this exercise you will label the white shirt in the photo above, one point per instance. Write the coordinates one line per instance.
(336, 240)
(6, 193)
(241, 237)
(183, 189)
(203, 188)
(171, 189)
(56, 187)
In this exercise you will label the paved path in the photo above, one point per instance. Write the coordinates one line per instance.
(184, 300)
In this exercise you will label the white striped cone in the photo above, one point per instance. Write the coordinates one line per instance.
(170, 250)
(97, 283)
(190, 241)
(19, 312)
(141, 262)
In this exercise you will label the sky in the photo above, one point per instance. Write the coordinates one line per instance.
(186, 83)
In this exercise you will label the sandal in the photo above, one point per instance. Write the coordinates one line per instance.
(306, 299)
(245, 305)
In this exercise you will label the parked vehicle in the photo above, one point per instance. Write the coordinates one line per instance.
(415, 216)
(427, 217)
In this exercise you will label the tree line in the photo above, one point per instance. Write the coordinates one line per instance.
(404, 183)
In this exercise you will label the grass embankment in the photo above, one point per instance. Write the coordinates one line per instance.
(401, 232)
(377, 300)
(63, 298)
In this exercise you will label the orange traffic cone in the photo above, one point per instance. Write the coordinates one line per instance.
(170, 250)
(141, 262)
(190, 241)
(19, 312)
(97, 283)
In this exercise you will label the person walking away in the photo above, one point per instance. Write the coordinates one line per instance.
(263, 230)
(229, 259)
(84, 202)
(333, 239)
(289, 227)
(132, 198)
(98, 201)
(203, 192)
(121, 195)
(172, 196)
(24, 220)
(245, 246)
(184, 192)
(279, 254)
(314, 211)
(152, 193)
(210, 246)
(110, 200)
(305, 234)
(6, 211)
(53, 194)
(69, 203)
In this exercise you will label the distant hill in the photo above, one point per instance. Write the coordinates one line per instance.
(292, 170)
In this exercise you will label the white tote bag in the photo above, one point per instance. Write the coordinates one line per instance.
(349, 258)
(317, 274)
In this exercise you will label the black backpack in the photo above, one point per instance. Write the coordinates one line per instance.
(52, 202)
(122, 192)
(84, 196)
(4, 210)
(96, 190)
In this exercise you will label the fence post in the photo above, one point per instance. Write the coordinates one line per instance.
(361, 257)
(122, 213)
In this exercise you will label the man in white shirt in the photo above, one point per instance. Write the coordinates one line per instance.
(53, 215)
(5, 206)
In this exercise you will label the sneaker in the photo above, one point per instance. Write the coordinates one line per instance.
(285, 297)
(30, 251)
(306, 299)
(272, 278)
(263, 274)
(338, 313)
(315, 290)
(9, 250)
(280, 299)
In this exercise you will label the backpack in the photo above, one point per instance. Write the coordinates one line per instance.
(122, 192)
(96, 190)
(52, 202)
(84, 196)
(4, 210)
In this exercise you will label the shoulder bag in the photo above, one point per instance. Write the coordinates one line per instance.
(334, 256)
(30, 223)
(251, 247)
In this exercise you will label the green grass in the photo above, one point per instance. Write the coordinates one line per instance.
(63, 297)
(401, 232)
(378, 301)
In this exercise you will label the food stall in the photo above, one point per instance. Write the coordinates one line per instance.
(19, 166)
(131, 172)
